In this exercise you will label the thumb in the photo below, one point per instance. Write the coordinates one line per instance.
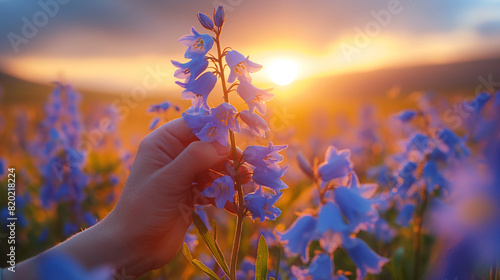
(192, 161)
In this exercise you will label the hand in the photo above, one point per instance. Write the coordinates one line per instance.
(152, 208)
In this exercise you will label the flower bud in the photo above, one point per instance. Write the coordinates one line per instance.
(219, 16)
(206, 21)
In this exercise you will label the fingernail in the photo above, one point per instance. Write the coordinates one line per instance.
(221, 149)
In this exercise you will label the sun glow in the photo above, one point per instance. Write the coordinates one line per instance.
(283, 71)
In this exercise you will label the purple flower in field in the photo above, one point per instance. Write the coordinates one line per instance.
(419, 142)
(240, 66)
(300, 234)
(206, 21)
(405, 215)
(330, 218)
(366, 260)
(159, 108)
(199, 90)
(321, 268)
(195, 118)
(222, 190)
(198, 44)
(337, 164)
(478, 102)
(432, 176)
(264, 157)
(406, 115)
(220, 16)
(190, 70)
(254, 97)
(270, 178)
(56, 266)
(154, 122)
(454, 144)
(357, 209)
(247, 269)
(256, 123)
(217, 124)
(267, 172)
(261, 205)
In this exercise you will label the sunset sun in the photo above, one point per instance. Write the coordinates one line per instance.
(283, 71)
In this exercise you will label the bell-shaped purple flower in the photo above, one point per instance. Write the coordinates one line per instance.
(195, 119)
(199, 90)
(265, 157)
(299, 236)
(366, 260)
(321, 268)
(330, 218)
(262, 206)
(254, 97)
(337, 164)
(206, 21)
(190, 70)
(405, 215)
(454, 144)
(256, 123)
(219, 17)
(357, 209)
(198, 44)
(270, 178)
(215, 125)
(240, 66)
(222, 190)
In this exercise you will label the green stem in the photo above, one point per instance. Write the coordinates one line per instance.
(236, 163)
(278, 263)
(417, 248)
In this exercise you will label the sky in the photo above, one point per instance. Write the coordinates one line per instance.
(112, 45)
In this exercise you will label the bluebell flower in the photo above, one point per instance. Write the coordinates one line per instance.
(69, 229)
(300, 234)
(418, 142)
(219, 17)
(190, 70)
(90, 219)
(330, 218)
(366, 260)
(337, 164)
(262, 206)
(254, 97)
(216, 124)
(57, 266)
(432, 176)
(222, 190)
(195, 118)
(456, 145)
(2, 167)
(357, 209)
(206, 21)
(321, 268)
(198, 44)
(478, 102)
(406, 115)
(264, 157)
(256, 123)
(199, 90)
(270, 178)
(159, 108)
(383, 231)
(240, 66)
(405, 215)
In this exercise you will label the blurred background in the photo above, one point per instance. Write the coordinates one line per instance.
(333, 51)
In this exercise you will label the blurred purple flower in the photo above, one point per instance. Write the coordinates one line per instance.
(366, 260)
(337, 164)
(405, 215)
(256, 123)
(300, 234)
(406, 115)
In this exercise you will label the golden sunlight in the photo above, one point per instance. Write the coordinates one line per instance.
(283, 71)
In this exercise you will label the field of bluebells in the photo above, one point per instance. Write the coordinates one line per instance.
(412, 196)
